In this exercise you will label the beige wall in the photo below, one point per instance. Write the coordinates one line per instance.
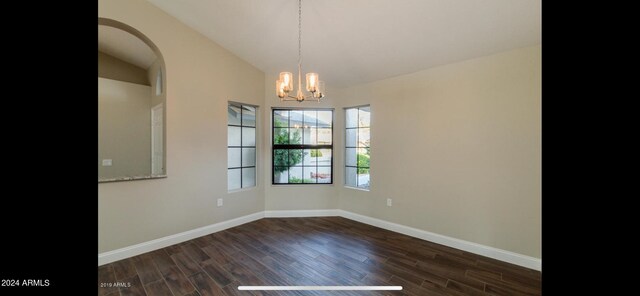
(201, 76)
(124, 116)
(117, 69)
(458, 149)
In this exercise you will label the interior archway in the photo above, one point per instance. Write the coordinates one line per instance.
(131, 55)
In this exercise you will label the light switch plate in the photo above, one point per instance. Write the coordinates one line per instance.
(219, 202)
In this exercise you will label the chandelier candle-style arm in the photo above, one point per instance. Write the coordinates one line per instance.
(284, 84)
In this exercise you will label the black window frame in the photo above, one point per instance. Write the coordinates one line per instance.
(300, 146)
(357, 166)
(242, 126)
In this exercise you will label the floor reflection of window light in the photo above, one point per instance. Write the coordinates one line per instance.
(320, 288)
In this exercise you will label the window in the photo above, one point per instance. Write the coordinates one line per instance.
(241, 146)
(357, 146)
(302, 148)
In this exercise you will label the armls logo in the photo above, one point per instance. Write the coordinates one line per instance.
(35, 283)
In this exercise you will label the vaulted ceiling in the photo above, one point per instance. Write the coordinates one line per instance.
(350, 42)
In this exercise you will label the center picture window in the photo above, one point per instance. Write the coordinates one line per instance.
(302, 146)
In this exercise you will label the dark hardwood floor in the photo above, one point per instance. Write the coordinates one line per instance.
(313, 251)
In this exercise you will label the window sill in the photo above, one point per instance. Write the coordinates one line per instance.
(242, 189)
(131, 178)
(302, 185)
(358, 188)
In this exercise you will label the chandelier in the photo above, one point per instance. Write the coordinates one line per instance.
(284, 84)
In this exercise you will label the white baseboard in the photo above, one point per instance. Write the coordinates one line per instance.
(301, 213)
(491, 252)
(141, 248)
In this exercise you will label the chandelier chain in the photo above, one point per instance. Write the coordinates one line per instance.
(299, 31)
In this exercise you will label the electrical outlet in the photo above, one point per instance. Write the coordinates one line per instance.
(389, 202)
(219, 202)
(107, 162)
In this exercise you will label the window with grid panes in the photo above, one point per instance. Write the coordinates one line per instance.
(302, 146)
(241, 146)
(357, 147)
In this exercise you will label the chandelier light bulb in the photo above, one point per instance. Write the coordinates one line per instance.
(287, 81)
(312, 82)
(280, 89)
(320, 93)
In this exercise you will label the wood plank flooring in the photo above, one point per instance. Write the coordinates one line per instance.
(313, 251)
